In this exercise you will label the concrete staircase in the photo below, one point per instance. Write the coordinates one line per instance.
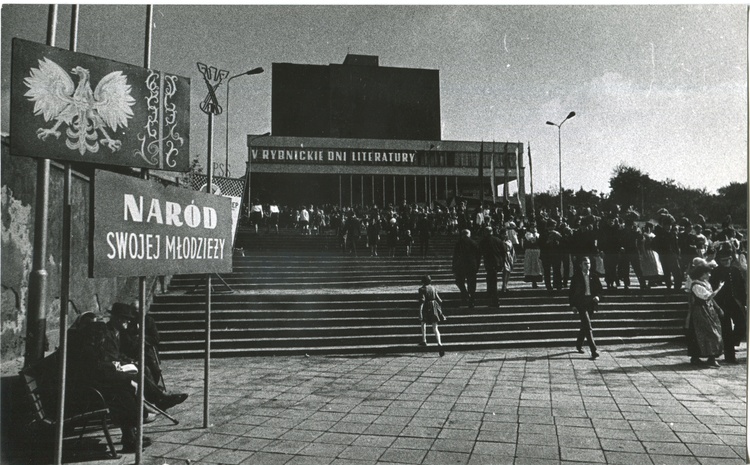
(301, 295)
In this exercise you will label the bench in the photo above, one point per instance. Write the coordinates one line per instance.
(87, 412)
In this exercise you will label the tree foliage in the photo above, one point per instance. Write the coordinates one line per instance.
(631, 188)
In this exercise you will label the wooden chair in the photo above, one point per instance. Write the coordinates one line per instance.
(90, 411)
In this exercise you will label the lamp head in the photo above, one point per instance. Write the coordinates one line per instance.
(257, 70)
(551, 123)
(571, 114)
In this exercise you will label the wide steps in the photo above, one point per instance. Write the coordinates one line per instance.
(293, 294)
(253, 324)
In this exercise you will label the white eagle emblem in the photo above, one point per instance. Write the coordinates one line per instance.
(84, 111)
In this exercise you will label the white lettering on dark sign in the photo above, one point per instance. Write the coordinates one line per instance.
(331, 156)
(144, 229)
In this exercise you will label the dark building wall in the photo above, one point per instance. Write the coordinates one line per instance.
(300, 100)
(384, 103)
(355, 101)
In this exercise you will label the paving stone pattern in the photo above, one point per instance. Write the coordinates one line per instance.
(633, 405)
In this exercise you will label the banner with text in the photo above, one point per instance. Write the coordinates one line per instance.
(332, 156)
(141, 228)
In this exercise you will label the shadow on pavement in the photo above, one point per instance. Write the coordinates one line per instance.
(525, 359)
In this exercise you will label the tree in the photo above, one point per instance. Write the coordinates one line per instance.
(185, 179)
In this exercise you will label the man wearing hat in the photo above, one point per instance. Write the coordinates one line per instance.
(732, 298)
(551, 256)
(665, 244)
(493, 253)
(117, 345)
(465, 265)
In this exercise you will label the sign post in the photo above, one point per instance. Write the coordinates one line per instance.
(210, 106)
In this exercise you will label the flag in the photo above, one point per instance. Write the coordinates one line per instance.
(481, 173)
(505, 173)
(492, 174)
(227, 187)
(518, 177)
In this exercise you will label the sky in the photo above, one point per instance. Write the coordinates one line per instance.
(660, 88)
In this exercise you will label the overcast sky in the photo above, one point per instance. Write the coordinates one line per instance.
(659, 88)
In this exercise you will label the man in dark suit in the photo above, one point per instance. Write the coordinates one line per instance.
(585, 289)
(466, 258)
(732, 299)
(493, 253)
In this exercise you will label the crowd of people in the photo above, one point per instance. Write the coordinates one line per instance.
(390, 230)
(708, 263)
(560, 251)
(659, 251)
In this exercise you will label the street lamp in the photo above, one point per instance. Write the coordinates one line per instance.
(246, 73)
(559, 155)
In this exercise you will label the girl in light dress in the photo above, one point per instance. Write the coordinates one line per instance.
(430, 311)
(650, 262)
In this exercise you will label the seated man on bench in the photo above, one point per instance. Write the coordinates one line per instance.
(121, 345)
(87, 367)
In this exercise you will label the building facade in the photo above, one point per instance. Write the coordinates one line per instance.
(362, 134)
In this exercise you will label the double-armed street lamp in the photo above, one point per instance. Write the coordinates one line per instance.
(246, 73)
(559, 154)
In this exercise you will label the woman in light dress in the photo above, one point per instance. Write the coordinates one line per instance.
(430, 311)
(703, 322)
(650, 262)
(532, 264)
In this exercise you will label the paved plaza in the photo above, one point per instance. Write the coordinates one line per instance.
(634, 405)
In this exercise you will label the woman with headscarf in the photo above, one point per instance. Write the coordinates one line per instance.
(649, 258)
(532, 265)
(703, 322)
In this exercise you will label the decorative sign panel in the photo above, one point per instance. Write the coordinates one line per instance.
(232, 188)
(75, 107)
(141, 228)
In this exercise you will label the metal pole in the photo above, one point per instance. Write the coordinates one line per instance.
(226, 130)
(64, 299)
(65, 276)
(36, 319)
(207, 360)
(141, 366)
(559, 156)
(142, 279)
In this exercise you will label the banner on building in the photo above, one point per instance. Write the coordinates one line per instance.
(296, 155)
(74, 107)
(141, 228)
(227, 187)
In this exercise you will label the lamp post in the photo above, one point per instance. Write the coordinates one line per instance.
(559, 155)
(246, 73)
